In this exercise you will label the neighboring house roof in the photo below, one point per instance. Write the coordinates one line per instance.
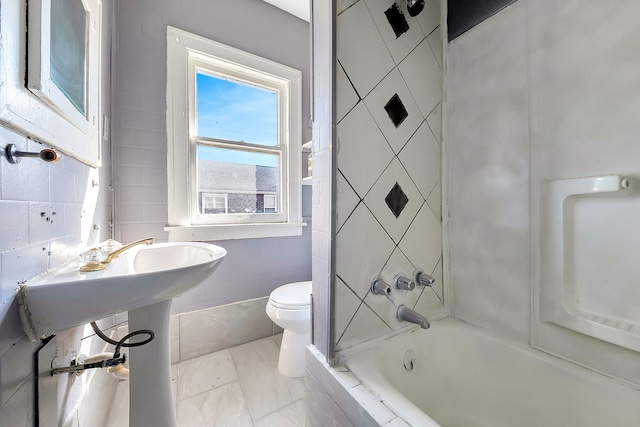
(222, 177)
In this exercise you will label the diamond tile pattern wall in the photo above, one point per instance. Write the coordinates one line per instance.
(388, 193)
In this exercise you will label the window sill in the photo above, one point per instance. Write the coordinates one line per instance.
(206, 233)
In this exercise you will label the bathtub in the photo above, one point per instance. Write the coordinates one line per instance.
(463, 376)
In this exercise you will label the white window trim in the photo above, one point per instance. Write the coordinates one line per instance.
(31, 111)
(181, 46)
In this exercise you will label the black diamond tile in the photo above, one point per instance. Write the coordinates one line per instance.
(396, 111)
(396, 200)
(397, 20)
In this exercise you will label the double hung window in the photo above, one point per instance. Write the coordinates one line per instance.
(234, 126)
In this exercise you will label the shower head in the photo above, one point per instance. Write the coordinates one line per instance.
(414, 7)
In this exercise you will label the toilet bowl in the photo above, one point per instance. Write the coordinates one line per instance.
(289, 307)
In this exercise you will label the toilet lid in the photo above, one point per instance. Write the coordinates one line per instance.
(292, 296)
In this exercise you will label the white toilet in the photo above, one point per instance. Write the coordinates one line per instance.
(289, 307)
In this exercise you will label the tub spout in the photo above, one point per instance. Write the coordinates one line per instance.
(409, 315)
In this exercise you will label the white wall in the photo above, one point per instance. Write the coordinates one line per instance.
(253, 267)
(373, 155)
(31, 242)
(543, 90)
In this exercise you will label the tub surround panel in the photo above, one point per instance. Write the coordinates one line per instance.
(389, 211)
(488, 158)
(539, 105)
(584, 95)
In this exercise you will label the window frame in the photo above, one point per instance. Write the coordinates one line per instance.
(186, 53)
(32, 109)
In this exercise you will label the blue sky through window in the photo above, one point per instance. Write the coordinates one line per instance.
(236, 112)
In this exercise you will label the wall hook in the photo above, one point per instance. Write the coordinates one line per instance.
(14, 156)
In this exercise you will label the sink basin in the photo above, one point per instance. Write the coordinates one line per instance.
(143, 280)
(143, 275)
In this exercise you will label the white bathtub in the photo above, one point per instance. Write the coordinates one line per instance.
(466, 377)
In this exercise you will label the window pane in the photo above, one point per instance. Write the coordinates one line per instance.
(245, 178)
(69, 50)
(236, 111)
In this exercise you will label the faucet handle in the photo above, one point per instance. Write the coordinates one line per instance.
(423, 278)
(404, 283)
(94, 255)
(379, 287)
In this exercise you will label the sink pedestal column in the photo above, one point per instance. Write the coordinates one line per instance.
(151, 402)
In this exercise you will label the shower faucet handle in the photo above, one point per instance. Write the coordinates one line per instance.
(423, 278)
(380, 287)
(403, 282)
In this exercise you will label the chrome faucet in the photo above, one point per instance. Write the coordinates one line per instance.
(101, 265)
(404, 283)
(380, 287)
(424, 279)
(409, 315)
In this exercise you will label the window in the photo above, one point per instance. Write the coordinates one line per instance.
(214, 203)
(234, 127)
(270, 201)
(51, 73)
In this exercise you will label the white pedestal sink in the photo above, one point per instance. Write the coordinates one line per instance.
(142, 281)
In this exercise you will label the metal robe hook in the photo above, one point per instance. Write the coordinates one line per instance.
(14, 156)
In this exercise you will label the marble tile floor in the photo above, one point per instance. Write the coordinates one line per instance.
(239, 386)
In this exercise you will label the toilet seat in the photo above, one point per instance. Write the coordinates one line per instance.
(293, 296)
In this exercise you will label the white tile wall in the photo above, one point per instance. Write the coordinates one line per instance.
(393, 84)
(373, 156)
(375, 200)
(361, 49)
(323, 178)
(422, 74)
(421, 158)
(360, 141)
(42, 230)
(48, 212)
(398, 47)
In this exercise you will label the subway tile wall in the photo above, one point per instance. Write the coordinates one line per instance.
(389, 86)
(47, 215)
(323, 173)
(253, 267)
(48, 212)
